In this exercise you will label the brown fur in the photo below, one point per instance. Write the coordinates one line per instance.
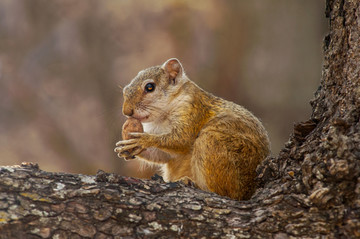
(194, 135)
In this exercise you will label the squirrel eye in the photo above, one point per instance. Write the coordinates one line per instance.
(149, 87)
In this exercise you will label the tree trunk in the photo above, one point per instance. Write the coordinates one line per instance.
(310, 190)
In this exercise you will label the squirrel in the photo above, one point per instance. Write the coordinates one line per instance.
(192, 134)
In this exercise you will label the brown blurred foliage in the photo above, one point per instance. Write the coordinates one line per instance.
(61, 62)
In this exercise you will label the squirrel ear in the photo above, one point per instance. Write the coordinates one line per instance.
(173, 68)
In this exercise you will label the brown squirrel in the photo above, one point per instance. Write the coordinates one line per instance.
(193, 134)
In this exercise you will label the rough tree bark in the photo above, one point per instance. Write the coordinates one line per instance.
(312, 189)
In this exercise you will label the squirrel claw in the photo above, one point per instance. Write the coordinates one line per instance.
(126, 155)
(128, 158)
(125, 148)
(128, 148)
(126, 142)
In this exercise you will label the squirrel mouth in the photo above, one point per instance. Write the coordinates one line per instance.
(143, 118)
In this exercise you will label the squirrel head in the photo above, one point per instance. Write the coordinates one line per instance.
(151, 94)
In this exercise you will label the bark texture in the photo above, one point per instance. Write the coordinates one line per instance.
(312, 189)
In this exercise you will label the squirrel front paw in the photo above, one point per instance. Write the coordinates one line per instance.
(128, 149)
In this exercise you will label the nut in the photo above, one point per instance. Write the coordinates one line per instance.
(131, 125)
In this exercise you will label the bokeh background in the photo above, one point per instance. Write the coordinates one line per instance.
(61, 63)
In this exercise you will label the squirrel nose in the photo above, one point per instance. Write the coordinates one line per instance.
(127, 110)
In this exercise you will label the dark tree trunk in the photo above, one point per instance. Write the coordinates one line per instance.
(311, 189)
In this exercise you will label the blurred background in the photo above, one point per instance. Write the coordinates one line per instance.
(61, 63)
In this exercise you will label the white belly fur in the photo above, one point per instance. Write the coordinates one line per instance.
(158, 156)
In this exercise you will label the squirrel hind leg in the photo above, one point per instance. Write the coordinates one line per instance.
(188, 181)
(220, 169)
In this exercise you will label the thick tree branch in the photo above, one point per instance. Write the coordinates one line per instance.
(37, 203)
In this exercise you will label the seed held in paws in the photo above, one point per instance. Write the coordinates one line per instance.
(131, 125)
